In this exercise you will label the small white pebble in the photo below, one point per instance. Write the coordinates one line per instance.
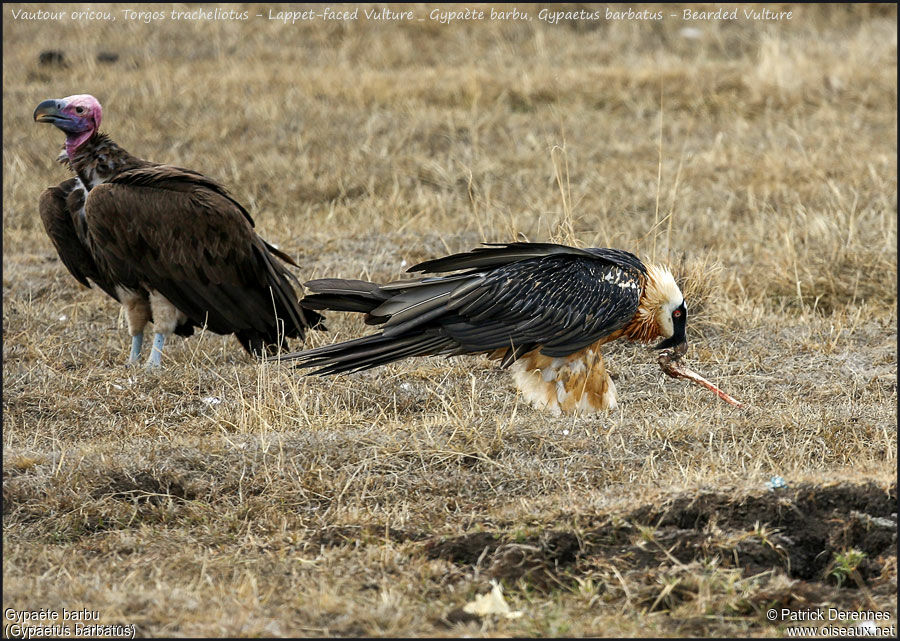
(117, 386)
(866, 628)
(403, 263)
(63, 317)
(211, 400)
(565, 432)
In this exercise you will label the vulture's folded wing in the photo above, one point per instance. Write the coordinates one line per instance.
(158, 228)
(495, 255)
(561, 302)
(71, 245)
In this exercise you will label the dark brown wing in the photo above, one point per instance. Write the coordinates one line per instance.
(59, 208)
(176, 179)
(160, 229)
(558, 301)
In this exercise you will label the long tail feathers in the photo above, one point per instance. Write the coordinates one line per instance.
(284, 294)
(343, 295)
(366, 353)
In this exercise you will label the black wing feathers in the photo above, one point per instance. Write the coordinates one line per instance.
(518, 296)
(497, 254)
(494, 255)
(371, 351)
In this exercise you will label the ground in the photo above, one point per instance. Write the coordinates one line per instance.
(221, 496)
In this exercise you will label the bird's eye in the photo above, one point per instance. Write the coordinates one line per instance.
(79, 110)
(676, 313)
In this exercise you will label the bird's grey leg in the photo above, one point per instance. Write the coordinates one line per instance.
(155, 360)
(137, 342)
(166, 318)
(137, 313)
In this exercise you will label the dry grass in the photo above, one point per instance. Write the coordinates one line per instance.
(223, 497)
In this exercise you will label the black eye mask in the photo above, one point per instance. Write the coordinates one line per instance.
(679, 324)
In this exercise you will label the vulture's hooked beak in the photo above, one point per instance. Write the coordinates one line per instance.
(678, 343)
(50, 111)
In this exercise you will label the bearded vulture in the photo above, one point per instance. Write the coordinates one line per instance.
(544, 309)
(171, 245)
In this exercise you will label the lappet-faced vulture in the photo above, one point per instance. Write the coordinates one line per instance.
(541, 308)
(170, 244)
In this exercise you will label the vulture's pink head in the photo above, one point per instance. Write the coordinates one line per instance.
(78, 116)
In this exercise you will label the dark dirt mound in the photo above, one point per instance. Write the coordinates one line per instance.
(798, 531)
